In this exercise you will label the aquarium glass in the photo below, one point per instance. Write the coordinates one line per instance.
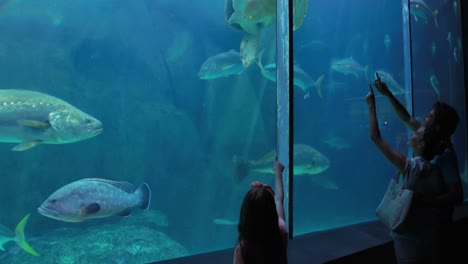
(131, 130)
(340, 47)
(438, 69)
(416, 52)
(169, 122)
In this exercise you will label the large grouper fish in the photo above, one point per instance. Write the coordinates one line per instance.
(31, 118)
(95, 198)
(307, 161)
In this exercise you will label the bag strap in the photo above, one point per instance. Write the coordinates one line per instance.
(405, 183)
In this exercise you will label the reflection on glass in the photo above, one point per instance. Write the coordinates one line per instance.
(178, 92)
(342, 50)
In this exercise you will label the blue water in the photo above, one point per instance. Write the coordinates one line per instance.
(133, 65)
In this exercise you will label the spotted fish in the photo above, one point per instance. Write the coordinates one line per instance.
(31, 118)
(94, 198)
(307, 161)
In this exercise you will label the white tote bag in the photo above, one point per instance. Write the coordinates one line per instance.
(396, 203)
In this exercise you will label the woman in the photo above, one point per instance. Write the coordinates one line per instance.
(418, 241)
(262, 228)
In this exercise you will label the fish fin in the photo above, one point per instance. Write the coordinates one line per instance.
(249, 42)
(26, 145)
(234, 21)
(125, 186)
(90, 209)
(241, 168)
(125, 212)
(415, 18)
(34, 123)
(259, 60)
(227, 67)
(20, 238)
(318, 84)
(145, 192)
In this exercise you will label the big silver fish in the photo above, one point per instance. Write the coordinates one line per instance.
(94, 198)
(307, 161)
(31, 118)
(221, 65)
(349, 66)
(301, 78)
(252, 17)
(420, 9)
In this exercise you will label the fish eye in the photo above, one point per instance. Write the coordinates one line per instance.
(53, 201)
(87, 120)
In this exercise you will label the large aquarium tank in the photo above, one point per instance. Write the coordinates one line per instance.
(130, 130)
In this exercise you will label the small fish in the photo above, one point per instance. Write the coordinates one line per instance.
(456, 54)
(455, 8)
(419, 9)
(301, 78)
(387, 41)
(95, 198)
(433, 48)
(31, 118)
(6, 235)
(387, 78)
(221, 65)
(222, 221)
(307, 161)
(450, 39)
(435, 85)
(349, 66)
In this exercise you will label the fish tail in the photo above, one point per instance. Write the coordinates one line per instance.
(318, 84)
(145, 195)
(21, 239)
(241, 168)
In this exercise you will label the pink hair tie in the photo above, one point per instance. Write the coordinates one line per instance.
(261, 184)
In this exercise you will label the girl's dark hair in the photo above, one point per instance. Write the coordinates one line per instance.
(259, 238)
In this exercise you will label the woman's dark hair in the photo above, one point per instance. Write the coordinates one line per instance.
(259, 238)
(433, 142)
(445, 119)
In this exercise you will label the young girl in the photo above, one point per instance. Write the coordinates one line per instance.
(418, 242)
(262, 228)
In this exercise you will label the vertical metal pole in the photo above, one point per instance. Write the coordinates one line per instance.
(464, 28)
(408, 62)
(284, 91)
(408, 55)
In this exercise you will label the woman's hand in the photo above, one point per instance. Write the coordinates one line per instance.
(381, 86)
(370, 98)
